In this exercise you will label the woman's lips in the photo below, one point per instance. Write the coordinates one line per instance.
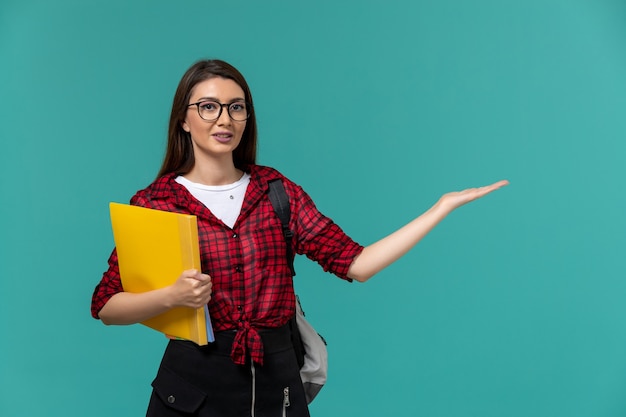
(223, 137)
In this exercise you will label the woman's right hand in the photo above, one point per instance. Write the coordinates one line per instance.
(191, 289)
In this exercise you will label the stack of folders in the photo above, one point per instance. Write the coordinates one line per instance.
(153, 248)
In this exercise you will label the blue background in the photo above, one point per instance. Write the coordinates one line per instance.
(514, 306)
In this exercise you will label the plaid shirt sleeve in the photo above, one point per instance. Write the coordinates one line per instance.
(111, 283)
(319, 238)
(108, 286)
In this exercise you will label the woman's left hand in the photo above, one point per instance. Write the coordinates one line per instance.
(456, 199)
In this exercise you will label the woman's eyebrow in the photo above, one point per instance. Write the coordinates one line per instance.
(216, 99)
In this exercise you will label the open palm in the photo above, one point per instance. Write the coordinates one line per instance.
(456, 199)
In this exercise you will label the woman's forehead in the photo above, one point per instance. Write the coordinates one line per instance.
(217, 87)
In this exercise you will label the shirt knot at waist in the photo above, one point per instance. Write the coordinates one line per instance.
(247, 338)
(255, 342)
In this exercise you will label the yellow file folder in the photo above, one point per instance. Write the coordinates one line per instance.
(153, 248)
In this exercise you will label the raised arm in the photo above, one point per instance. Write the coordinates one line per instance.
(389, 249)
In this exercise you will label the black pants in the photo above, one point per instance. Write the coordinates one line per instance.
(203, 381)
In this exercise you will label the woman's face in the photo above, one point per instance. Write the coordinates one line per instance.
(220, 137)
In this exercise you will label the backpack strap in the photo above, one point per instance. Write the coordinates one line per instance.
(280, 201)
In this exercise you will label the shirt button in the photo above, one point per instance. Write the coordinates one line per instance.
(239, 308)
(238, 268)
(235, 235)
(171, 399)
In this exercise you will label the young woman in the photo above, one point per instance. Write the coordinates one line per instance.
(209, 170)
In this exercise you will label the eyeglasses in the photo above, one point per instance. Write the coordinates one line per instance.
(212, 110)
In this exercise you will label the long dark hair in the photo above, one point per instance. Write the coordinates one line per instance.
(179, 157)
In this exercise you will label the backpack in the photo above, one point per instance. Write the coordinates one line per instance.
(309, 345)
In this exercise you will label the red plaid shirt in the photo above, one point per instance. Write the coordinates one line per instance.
(252, 283)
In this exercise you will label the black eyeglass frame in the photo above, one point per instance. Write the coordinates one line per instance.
(219, 114)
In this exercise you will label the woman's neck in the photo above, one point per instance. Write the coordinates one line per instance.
(214, 173)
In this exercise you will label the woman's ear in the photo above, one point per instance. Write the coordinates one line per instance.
(185, 126)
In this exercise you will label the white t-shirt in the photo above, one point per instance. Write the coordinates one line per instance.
(224, 201)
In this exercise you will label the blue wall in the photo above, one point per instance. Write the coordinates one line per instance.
(514, 306)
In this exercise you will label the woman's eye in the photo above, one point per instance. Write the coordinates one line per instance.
(237, 107)
(208, 105)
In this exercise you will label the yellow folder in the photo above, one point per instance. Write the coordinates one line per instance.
(153, 248)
